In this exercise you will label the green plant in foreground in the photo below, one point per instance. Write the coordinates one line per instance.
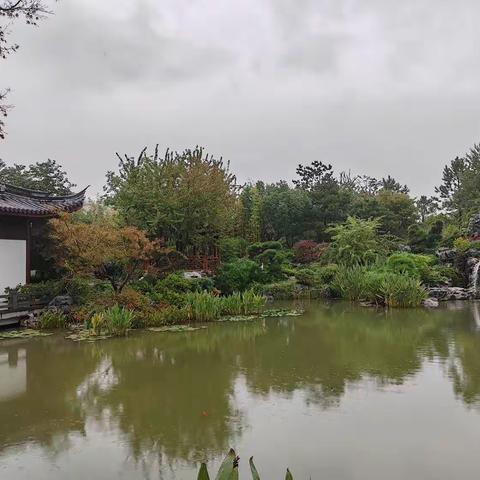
(118, 320)
(50, 319)
(229, 469)
(97, 322)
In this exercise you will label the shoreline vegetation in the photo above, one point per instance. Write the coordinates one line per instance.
(175, 240)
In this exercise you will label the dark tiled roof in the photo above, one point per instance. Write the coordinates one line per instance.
(21, 202)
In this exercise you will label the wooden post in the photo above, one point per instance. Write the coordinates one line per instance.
(13, 300)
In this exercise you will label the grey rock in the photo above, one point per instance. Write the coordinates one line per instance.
(61, 302)
(192, 275)
(430, 303)
(474, 226)
(449, 293)
(446, 255)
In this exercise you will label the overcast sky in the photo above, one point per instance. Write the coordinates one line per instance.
(372, 86)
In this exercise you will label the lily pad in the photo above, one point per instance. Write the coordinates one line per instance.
(25, 333)
(239, 318)
(176, 328)
(282, 313)
(86, 336)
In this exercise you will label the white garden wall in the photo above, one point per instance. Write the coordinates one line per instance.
(13, 261)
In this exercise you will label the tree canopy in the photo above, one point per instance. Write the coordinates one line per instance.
(188, 199)
(46, 176)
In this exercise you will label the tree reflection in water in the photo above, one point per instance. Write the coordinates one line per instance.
(172, 397)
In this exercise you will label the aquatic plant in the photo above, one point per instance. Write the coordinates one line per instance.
(50, 319)
(24, 333)
(378, 286)
(203, 306)
(97, 323)
(402, 291)
(229, 469)
(252, 302)
(118, 320)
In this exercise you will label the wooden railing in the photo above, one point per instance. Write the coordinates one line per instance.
(17, 302)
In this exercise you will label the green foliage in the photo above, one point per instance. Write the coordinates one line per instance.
(188, 199)
(118, 320)
(203, 306)
(172, 289)
(45, 176)
(401, 291)
(288, 290)
(258, 248)
(97, 323)
(356, 242)
(252, 303)
(169, 315)
(229, 469)
(461, 245)
(285, 212)
(232, 248)
(449, 234)
(79, 289)
(238, 276)
(51, 319)
(379, 287)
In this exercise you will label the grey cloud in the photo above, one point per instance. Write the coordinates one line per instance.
(372, 86)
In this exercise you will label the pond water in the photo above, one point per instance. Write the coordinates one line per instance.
(339, 393)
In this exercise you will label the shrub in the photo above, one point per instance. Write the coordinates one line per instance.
(232, 248)
(256, 249)
(461, 245)
(308, 251)
(238, 276)
(307, 276)
(421, 267)
(356, 242)
(79, 289)
(118, 320)
(327, 273)
(51, 319)
(285, 290)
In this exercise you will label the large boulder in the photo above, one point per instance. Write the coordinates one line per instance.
(474, 226)
(446, 255)
(449, 293)
(430, 303)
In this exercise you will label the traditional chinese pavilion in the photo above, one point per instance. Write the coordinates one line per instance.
(23, 213)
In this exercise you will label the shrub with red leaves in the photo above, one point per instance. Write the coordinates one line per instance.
(308, 251)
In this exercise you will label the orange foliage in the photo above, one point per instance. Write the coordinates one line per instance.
(116, 254)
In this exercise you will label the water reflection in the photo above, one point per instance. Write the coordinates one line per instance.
(180, 398)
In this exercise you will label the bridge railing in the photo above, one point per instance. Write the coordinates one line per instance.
(17, 302)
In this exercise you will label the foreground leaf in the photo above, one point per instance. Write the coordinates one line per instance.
(253, 469)
(226, 470)
(203, 473)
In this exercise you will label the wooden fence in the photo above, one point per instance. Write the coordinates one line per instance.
(15, 306)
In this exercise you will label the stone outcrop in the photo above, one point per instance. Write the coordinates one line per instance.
(430, 303)
(449, 293)
(474, 227)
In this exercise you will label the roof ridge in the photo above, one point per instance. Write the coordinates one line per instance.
(38, 194)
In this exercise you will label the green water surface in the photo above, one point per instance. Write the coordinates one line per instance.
(340, 393)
